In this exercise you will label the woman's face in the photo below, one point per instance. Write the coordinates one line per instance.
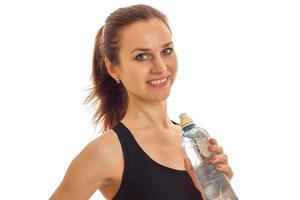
(148, 62)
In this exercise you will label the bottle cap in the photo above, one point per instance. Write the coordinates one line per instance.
(185, 119)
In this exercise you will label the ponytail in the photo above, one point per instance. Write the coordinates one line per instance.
(111, 97)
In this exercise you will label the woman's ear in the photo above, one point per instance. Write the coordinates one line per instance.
(111, 69)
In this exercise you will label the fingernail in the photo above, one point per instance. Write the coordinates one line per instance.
(219, 166)
(212, 159)
(214, 142)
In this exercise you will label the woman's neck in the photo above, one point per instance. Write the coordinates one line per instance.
(141, 114)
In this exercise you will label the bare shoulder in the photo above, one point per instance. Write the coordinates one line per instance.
(91, 168)
(104, 146)
(100, 152)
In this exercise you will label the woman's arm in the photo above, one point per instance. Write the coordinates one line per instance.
(88, 170)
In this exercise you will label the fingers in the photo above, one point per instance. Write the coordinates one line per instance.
(219, 158)
(226, 169)
(215, 148)
(222, 164)
(213, 141)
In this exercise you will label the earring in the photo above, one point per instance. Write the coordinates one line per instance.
(118, 81)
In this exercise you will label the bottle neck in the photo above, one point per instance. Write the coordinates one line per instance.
(188, 127)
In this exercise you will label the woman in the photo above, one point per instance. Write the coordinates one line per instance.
(139, 154)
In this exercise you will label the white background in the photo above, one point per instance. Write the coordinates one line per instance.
(238, 78)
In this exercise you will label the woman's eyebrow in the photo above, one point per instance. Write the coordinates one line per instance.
(145, 49)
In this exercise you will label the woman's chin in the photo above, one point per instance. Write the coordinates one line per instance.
(159, 96)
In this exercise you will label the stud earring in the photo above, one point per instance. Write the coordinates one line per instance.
(118, 81)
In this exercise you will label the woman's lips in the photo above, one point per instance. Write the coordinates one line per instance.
(159, 82)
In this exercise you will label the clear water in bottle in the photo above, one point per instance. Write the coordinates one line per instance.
(195, 141)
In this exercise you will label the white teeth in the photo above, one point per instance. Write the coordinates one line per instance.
(155, 82)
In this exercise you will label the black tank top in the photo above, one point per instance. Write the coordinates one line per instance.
(145, 179)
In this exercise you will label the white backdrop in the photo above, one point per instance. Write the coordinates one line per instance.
(238, 78)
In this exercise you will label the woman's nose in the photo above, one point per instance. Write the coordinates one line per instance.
(159, 66)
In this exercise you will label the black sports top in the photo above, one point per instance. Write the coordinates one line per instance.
(145, 179)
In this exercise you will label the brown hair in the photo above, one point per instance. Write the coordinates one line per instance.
(112, 98)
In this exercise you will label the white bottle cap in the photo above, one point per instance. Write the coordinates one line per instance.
(185, 119)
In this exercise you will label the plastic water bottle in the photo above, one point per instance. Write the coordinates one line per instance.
(195, 141)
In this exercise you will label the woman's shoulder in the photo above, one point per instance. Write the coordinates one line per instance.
(100, 157)
(106, 147)
(107, 138)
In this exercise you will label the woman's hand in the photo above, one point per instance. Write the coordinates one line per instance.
(220, 159)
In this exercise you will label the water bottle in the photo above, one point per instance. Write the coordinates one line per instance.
(195, 141)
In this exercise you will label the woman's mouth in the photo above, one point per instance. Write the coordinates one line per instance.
(159, 82)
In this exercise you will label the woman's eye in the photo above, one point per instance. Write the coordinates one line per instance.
(141, 57)
(168, 51)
